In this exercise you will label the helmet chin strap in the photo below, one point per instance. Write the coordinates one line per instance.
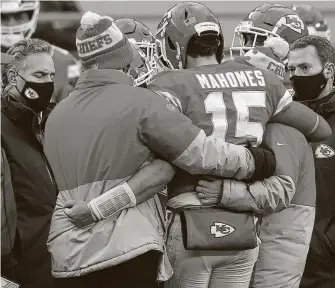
(178, 56)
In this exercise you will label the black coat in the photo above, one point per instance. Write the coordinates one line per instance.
(34, 188)
(320, 265)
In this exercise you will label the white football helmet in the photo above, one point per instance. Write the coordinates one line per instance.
(14, 28)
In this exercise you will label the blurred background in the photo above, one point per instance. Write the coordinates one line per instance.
(59, 20)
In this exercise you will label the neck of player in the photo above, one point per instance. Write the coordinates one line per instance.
(200, 61)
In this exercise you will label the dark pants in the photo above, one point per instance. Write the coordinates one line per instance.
(35, 277)
(140, 272)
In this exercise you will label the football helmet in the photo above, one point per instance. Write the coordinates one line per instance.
(18, 20)
(140, 70)
(316, 24)
(266, 21)
(178, 25)
(141, 37)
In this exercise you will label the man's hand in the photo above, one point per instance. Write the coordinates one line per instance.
(210, 192)
(78, 213)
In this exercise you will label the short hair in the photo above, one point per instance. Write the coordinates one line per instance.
(324, 48)
(203, 46)
(21, 50)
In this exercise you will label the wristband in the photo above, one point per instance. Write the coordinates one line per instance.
(92, 213)
(112, 201)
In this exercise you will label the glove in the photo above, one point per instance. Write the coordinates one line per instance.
(265, 162)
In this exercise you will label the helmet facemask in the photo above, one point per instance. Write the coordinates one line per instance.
(140, 69)
(11, 34)
(143, 66)
(243, 35)
(149, 52)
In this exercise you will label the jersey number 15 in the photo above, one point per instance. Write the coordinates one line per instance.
(215, 104)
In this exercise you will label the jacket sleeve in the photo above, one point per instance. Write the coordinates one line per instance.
(274, 193)
(172, 135)
(300, 117)
(8, 209)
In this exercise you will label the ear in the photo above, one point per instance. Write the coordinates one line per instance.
(11, 76)
(330, 71)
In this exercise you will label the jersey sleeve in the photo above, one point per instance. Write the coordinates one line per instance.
(172, 135)
(279, 97)
(167, 87)
(300, 117)
(275, 193)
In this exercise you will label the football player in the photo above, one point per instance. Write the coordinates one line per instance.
(18, 21)
(230, 99)
(264, 22)
(142, 70)
(313, 18)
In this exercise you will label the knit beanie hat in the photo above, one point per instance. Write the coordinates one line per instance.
(101, 44)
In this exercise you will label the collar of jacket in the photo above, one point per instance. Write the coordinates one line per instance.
(20, 115)
(324, 106)
(14, 110)
(99, 77)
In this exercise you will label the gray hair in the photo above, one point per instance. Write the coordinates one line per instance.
(21, 50)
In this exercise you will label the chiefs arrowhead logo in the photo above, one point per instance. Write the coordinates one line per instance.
(324, 151)
(219, 229)
(293, 22)
(31, 93)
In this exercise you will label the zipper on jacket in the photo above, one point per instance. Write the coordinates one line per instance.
(50, 174)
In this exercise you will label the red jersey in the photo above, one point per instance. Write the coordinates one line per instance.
(233, 101)
(230, 100)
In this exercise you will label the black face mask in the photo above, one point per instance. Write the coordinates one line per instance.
(308, 87)
(37, 95)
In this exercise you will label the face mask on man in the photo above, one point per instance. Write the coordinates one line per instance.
(308, 87)
(37, 95)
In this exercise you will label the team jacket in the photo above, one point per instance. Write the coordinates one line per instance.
(320, 265)
(32, 183)
(285, 234)
(8, 214)
(97, 138)
(230, 100)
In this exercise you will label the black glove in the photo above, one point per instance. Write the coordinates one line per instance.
(265, 162)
